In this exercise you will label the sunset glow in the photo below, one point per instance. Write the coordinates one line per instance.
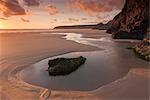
(2, 26)
(45, 14)
(74, 49)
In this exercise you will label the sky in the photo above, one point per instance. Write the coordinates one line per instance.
(45, 14)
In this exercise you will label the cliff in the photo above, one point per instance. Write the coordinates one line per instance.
(75, 27)
(132, 22)
(99, 26)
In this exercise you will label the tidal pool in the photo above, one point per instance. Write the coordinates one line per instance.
(101, 67)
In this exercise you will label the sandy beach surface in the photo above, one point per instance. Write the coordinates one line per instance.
(20, 50)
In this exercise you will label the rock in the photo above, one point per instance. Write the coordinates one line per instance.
(132, 22)
(64, 66)
(142, 49)
(126, 35)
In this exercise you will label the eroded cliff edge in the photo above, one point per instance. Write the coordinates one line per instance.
(132, 22)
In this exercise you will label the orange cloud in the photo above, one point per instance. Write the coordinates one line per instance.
(52, 10)
(3, 19)
(83, 18)
(11, 7)
(55, 20)
(94, 22)
(32, 2)
(99, 17)
(25, 20)
(115, 4)
(89, 7)
(73, 19)
(96, 6)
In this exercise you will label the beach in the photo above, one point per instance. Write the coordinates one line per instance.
(21, 50)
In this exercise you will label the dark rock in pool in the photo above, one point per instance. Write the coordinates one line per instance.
(64, 66)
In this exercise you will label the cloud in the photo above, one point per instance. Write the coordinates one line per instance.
(11, 7)
(96, 6)
(89, 7)
(32, 2)
(25, 20)
(73, 20)
(83, 18)
(52, 10)
(94, 22)
(115, 4)
(3, 18)
(99, 17)
(55, 20)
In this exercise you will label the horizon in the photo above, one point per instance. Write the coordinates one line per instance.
(42, 28)
(47, 14)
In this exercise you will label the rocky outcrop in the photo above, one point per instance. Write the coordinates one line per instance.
(64, 66)
(132, 22)
(142, 50)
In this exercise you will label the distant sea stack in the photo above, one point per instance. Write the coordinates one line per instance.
(132, 22)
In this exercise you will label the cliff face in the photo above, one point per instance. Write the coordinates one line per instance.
(99, 26)
(132, 21)
(76, 27)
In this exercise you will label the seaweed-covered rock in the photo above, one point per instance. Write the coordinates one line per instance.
(142, 50)
(64, 66)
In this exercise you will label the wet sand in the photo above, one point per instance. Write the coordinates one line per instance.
(94, 73)
(22, 50)
(134, 86)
